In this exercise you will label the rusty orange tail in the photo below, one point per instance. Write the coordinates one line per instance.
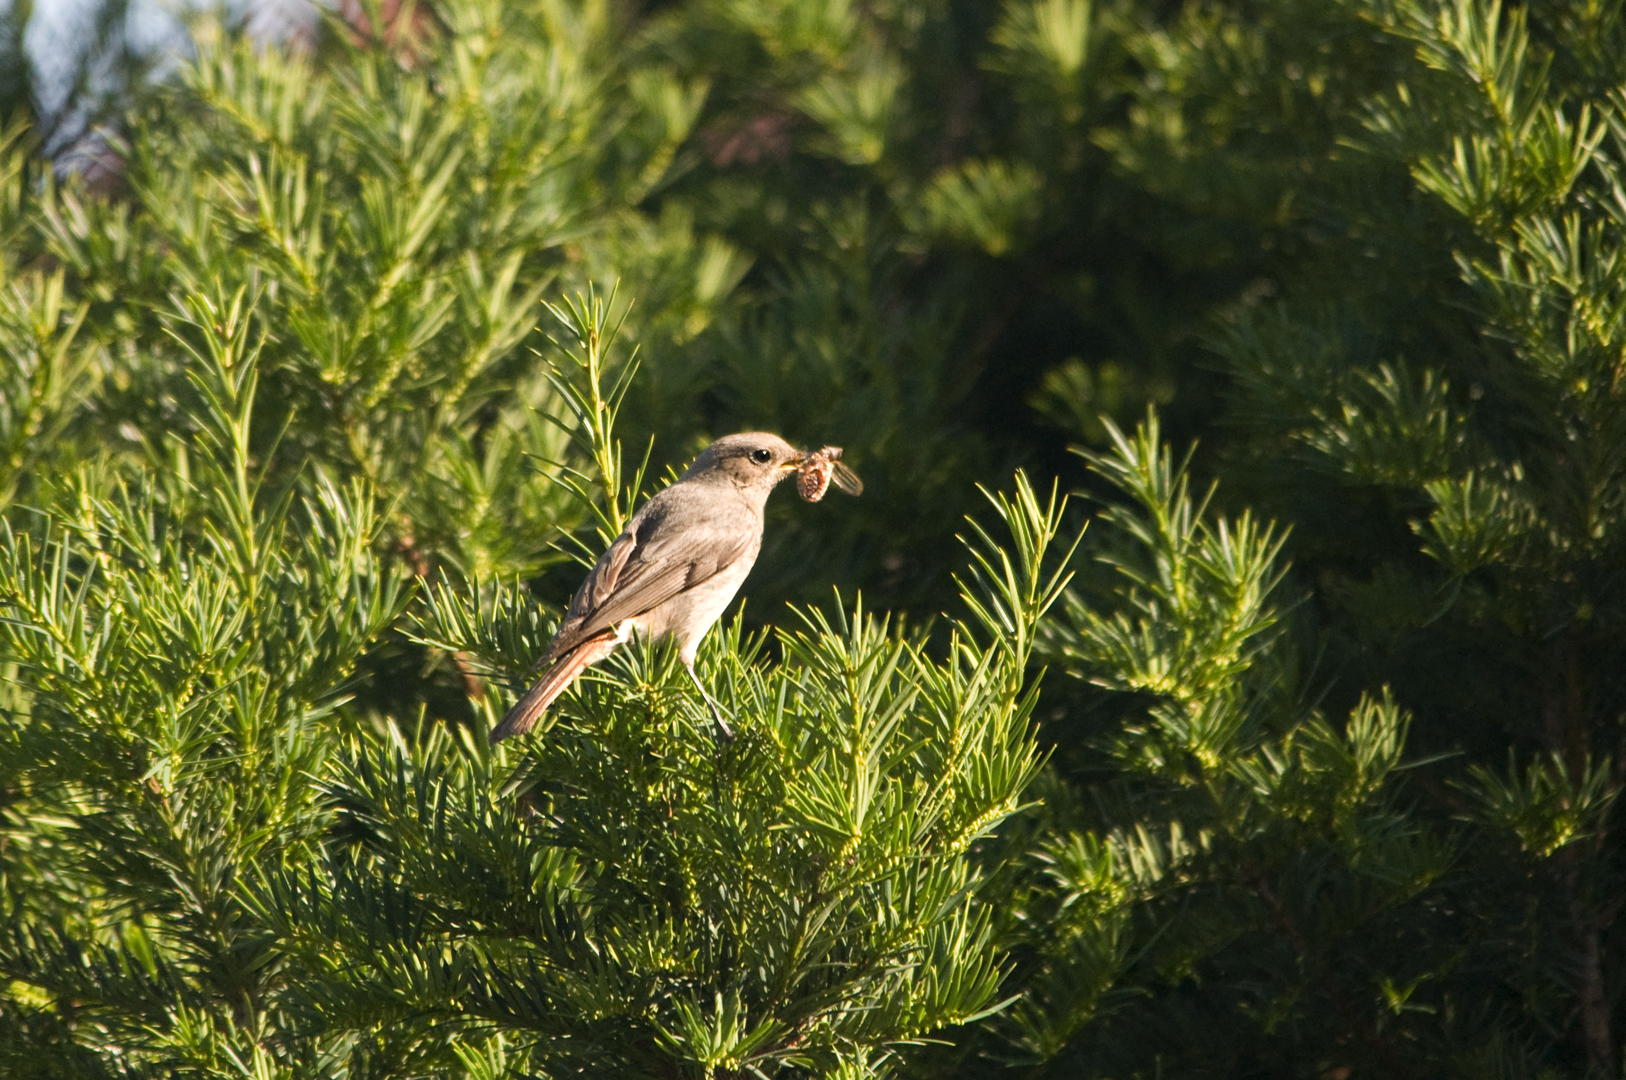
(560, 674)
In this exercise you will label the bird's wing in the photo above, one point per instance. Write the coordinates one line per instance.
(666, 549)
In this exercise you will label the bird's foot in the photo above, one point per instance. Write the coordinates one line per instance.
(725, 734)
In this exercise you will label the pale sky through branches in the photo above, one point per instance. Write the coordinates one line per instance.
(60, 32)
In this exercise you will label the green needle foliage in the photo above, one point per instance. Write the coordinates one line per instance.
(324, 364)
(180, 649)
(1234, 839)
(627, 897)
(217, 865)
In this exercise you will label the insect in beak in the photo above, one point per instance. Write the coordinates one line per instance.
(820, 469)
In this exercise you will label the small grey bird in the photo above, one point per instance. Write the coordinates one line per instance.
(672, 571)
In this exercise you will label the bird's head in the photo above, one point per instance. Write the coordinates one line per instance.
(754, 460)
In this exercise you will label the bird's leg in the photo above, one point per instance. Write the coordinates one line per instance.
(724, 732)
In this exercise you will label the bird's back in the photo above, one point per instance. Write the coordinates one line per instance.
(679, 541)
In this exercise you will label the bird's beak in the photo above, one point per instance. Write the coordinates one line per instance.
(794, 463)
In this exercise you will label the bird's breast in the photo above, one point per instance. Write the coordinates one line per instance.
(687, 616)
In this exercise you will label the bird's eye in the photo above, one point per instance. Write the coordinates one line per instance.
(761, 457)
